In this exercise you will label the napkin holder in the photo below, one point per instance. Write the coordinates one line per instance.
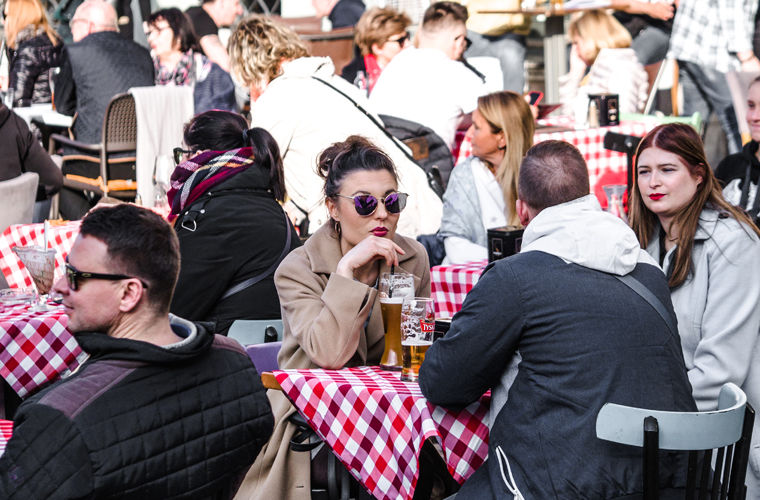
(504, 241)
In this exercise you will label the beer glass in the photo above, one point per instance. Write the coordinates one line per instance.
(417, 326)
(392, 289)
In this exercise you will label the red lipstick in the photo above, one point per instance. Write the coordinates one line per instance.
(380, 231)
(656, 196)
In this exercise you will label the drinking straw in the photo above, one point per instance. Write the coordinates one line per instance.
(390, 281)
(47, 231)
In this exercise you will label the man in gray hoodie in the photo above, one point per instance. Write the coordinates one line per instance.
(584, 336)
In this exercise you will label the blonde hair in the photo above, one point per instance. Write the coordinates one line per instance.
(258, 46)
(508, 113)
(377, 25)
(23, 13)
(602, 29)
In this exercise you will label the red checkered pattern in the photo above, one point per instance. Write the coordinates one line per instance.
(6, 429)
(35, 348)
(450, 284)
(376, 425)
(604, 166)
(61, 238)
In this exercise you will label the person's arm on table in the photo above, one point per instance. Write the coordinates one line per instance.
(46, 458)
(728, 339)
(65, 91)
(484, 335)
(327, 323)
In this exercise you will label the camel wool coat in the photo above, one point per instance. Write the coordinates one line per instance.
(324, 317)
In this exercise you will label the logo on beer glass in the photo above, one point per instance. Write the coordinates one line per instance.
(392, 289)
(417, 326)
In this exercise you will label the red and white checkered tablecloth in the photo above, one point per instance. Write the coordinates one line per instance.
(35, 348)
(61, 238)
(604, 166)
(6, 429)
(376, 425)
(450, 284)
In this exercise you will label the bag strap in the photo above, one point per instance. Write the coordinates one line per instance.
(369, 115)
(651, 299)
(269, 271)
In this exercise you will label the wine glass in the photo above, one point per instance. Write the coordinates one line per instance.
(40, 263)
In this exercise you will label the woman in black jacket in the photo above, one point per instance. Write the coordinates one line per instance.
(33, 49)
(232, 231)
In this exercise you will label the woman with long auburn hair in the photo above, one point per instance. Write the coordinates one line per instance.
(482, 191)
(710, 253)
(33, 48)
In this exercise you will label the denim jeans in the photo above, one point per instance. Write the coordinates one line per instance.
(705, 90)
(509, 49)
(651, 45)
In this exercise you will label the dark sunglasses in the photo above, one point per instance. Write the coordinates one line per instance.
(73, 275)
(401, 40)
(366, 204)
(178, 152)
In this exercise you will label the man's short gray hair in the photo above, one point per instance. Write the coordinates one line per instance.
(552, 172)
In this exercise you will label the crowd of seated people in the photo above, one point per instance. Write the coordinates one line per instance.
(295, 212)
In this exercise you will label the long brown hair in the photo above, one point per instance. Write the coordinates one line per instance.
(508, 112)
(682, 140)
(23, 13)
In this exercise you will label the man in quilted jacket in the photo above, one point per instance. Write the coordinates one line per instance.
(161, 408)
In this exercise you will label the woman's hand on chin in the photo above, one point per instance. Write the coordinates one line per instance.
(369, 250)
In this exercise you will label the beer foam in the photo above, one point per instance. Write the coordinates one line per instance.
(416, 342)
(391, 300)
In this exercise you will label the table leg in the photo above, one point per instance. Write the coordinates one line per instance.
(555, 57)
(434, 481)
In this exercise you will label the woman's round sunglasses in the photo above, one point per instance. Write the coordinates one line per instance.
(366, 204)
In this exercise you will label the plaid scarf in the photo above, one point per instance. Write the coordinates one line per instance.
(194, 177)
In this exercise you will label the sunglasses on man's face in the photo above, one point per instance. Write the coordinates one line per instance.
(179, 155)
(74, 277)
(366, 204)
(400, 40)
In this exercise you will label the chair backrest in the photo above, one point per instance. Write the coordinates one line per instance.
(728, 429)
(256, 331)
(264, 356)
(120, 124)
(17, 197)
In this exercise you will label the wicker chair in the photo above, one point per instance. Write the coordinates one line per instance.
(119, 136)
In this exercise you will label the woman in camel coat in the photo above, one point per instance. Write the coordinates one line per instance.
(328, 292)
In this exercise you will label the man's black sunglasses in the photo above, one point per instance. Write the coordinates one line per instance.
(366, 204)
(400, 40)
(178, 152)
(73, 275)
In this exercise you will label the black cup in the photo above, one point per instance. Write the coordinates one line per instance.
(441, 327)
(607, 107)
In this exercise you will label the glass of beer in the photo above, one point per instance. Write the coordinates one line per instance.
(393, 288)
(417, 326)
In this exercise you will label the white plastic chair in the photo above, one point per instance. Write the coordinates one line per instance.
(727, 429)
(17, 197)
(254, 331)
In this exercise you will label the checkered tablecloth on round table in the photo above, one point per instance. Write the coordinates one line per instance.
(35, 348)
(61, 238)
(604, 166)
(376, 425)
(6, 429)
(450, 284)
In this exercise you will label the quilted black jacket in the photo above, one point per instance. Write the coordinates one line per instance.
(29, 64)
(94, 70)
(139, 421)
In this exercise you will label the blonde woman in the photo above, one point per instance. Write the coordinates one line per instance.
(33, 48)
(380, 35)
(306, 107)
(482, 191)
(602, 61)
